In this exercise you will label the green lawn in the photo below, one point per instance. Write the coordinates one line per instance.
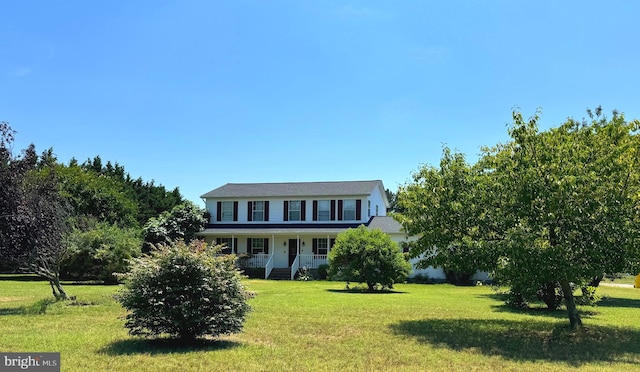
(627, 279)
(315, 326)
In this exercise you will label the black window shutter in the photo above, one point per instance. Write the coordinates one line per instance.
(235, 210)
(266, 210)
(331, 242)
(358, 209)
(249, 245)
(340, 202)
(315, 245)
(249, 211)
(234, 249)
(286, 210)
(303, 210)
(333, 210)
(315, 210)
(266, 245)
(219, 211)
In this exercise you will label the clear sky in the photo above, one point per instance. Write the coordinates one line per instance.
(195, 94)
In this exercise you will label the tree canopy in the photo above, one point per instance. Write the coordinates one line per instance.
(180, 223)
(547, 209)
(86, 218)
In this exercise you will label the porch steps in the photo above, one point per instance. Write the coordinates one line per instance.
(280, 274)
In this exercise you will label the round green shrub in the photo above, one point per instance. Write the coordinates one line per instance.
(367, 256)
(184, 291)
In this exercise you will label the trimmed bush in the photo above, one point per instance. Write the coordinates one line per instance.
(367, 256)
(184, 291)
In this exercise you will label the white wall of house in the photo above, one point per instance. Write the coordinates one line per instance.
(377, 204)
(432, 272)
(276, 208)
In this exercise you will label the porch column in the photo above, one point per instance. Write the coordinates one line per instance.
(273, 244)
(328, 244)
(298, 249)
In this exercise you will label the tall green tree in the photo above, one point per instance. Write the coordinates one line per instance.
(93, 195)
(558, 207)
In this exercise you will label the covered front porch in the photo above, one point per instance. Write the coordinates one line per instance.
(277, 252)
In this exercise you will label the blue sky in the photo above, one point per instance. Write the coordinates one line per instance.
(195, 94)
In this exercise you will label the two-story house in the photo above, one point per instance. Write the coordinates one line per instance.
(280, 227)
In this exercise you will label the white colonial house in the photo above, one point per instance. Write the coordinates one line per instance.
(281, 227)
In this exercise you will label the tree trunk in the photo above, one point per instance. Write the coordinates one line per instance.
(58, 292)
(548, 295)
(569, 301)
(595, 281)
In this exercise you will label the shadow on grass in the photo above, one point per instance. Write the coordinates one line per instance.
(165, 346)
(537, 309)
(363, 291)
(527, 341)
(21, 278)
(89, 283)
(37, 308)
(619, 302)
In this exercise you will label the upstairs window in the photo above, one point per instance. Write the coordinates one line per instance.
(294, 210)
(258, 211)
(349, 210)
(227, 211)
(324, 210)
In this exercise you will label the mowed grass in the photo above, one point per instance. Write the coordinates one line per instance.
(316, 326)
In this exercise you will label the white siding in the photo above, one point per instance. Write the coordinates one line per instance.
(376, 199)
(276, 208)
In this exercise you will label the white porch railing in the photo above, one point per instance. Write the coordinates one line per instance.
(312, 261)
(294, 267)
(268, 267)
(258, 260)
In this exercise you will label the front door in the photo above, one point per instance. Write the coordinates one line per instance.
(293, 250)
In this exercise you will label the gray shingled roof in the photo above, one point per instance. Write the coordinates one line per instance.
(238, 190)
(387, 224)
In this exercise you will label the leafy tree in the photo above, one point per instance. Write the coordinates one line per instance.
(184, 291)
(99, 251)
(556, 208)
(367, 256)
(94, 195)
(442, 207)
(570, 195)
(108, 192)
(182, 222)
(33, 214)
